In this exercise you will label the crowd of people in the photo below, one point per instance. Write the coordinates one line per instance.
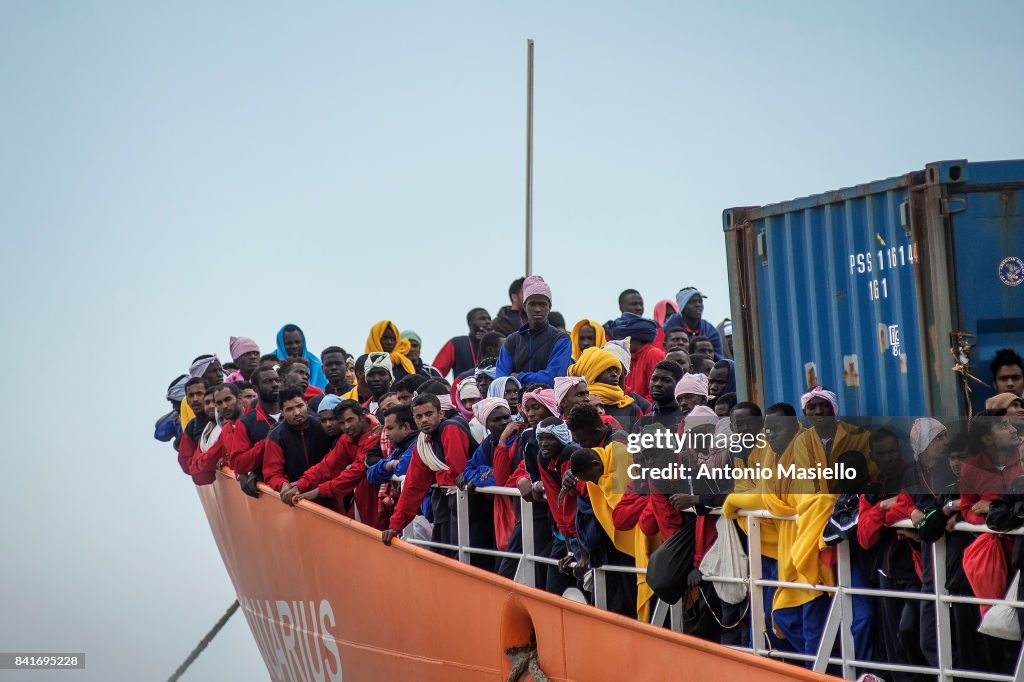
(520, 401)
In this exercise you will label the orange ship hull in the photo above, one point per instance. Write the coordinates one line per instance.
(326, 600)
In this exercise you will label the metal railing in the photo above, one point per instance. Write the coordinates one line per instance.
(840, 615)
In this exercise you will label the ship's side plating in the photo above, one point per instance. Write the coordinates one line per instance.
(326, 600)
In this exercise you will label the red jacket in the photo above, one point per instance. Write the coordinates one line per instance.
(343, 471)
(190, 441)
(980, 479)
(706, 534)
(203, 467)
(246, 446)
(551, 473)
(454, 445)
(641, 367)
(872, 519)
(626, 514)
(654, 513)
(661, 517)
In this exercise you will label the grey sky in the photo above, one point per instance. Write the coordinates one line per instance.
(173, 175)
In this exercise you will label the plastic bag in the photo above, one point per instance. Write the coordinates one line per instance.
(1001, 620)
(726, 558)
(986, 568)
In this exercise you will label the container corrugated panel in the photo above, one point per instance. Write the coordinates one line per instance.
(988, 252)
(858, 289)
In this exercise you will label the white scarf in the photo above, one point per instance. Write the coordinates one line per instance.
(426, 452)
(210, 435)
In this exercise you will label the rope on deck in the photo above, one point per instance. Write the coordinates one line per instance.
(205, 642)
(524, 660)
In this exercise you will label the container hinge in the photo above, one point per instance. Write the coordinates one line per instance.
(762, 247)
(905, 216)
(950, 205)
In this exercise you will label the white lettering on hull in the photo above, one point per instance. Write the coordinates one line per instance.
(295, 639)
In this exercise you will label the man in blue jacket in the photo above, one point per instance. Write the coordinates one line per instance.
(690, 318)
(538, 352)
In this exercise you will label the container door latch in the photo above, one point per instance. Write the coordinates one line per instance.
(951, 205)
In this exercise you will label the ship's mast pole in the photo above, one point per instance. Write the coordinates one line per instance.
(529, 157)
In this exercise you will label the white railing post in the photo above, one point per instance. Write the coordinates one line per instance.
(462, 509)
(758, 635)
(833, 624)
(527, 564)
(943, 631)
(600, 591)
(675, 615)
(845, 580)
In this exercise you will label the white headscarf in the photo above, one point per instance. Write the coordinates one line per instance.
(382, 360)
(923, 433)
(823, 393)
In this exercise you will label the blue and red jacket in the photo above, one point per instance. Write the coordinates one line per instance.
(536, 356)
(458, 355)
(245, 451)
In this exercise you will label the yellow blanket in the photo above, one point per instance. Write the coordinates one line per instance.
(747, 494)
(799, 541)
(809, 452)
(604, 495)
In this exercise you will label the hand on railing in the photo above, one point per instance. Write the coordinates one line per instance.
(248, 484)
(682, 501)
(288, 494)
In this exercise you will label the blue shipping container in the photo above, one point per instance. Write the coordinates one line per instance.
(865, 289)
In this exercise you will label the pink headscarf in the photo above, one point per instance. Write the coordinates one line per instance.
(696, 384)
(544, 396)
(240, 345)
(563, 386)
(701, 416)
(469, 384)
(483, 409)
(534, 285)
(824, 394)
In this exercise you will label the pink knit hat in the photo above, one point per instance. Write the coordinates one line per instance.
(696, 384)
(534, 285)
(240, 345)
